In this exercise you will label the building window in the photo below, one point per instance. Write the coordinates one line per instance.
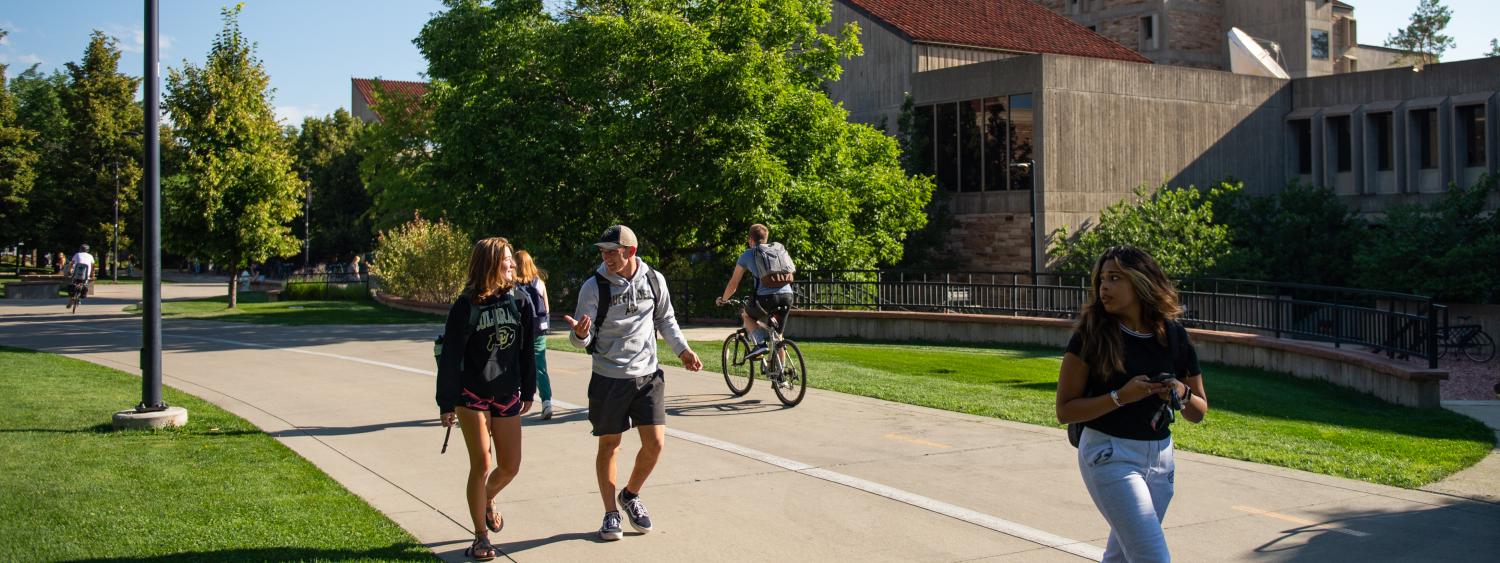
(1471, 125)
(1320, 44)
(1148, 33)
(1094, 28)
(1380, 125)
(1338, 127)
(1022, 133)
(946, 164)
(970, 146)
(996, 131)
(1425, 122)
(1302, 140)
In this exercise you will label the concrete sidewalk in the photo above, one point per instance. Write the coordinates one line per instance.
(837, 478)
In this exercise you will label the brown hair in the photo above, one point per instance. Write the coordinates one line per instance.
(526, 270)
(759, 233)
(486, 278)
(1157, 297)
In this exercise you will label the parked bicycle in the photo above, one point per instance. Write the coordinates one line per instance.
(1468, 339)
(781, 365)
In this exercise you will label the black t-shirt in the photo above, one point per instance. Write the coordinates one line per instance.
(1143, 355)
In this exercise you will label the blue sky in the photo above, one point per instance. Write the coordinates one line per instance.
(312, 47)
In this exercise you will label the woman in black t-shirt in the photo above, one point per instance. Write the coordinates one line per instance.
(1125, 338)
(486, 380)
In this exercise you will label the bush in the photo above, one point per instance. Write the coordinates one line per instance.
(1301, 234)
(422, 260)
(318, 291)
(1175, 225)
(1445, 249)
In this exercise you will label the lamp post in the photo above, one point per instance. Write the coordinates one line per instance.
(307, 229)
(114, 253)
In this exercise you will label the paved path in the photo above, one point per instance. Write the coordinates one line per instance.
(836, 478)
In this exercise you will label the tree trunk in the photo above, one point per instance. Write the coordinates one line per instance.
(234, 289)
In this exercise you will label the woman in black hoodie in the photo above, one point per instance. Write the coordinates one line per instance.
(487, 378)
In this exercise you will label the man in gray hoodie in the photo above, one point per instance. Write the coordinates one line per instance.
(627, 388)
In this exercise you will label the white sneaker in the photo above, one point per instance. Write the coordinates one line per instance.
(546, 410)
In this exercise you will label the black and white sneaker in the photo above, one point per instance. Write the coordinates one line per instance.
(756, 352)
(610, 531)
(636, 510)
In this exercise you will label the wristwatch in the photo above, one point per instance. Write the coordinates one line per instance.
(1115, 396)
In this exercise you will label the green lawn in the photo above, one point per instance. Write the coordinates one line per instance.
(1254, 415)
(217, 490)
(253, 308)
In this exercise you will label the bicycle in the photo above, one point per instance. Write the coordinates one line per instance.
(781, 365)
(77, 290)
(1469, 339)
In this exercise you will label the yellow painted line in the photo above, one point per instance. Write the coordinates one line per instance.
(917, 441)
(1296, 520)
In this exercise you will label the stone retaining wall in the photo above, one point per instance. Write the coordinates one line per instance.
(1397, 382)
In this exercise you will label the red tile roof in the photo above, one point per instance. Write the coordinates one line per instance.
(1010, 25)
(366, 89)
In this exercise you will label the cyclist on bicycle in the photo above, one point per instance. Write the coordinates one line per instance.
(80, 267)
(771, 270)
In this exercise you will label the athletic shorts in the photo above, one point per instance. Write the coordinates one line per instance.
(615, 405)
(764, 305)
(503, 408)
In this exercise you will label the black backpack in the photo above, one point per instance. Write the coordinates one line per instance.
(658, 311)
(437, 343)
(1075, 429)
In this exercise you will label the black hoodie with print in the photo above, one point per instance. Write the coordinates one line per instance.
(491, 358)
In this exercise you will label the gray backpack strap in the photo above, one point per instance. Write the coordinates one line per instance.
(601, 312)
(659, 306)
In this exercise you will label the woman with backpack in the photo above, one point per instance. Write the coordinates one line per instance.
(1128, 367)
(532, 280)
(486, 379)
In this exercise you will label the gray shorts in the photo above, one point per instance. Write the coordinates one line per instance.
(615, 405)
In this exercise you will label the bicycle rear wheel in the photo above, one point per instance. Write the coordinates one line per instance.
(1481, 348)
(739, 373)
(791, 385)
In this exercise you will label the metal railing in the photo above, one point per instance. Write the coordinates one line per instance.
(1396, 324)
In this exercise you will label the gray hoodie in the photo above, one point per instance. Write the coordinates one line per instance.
(627, 340)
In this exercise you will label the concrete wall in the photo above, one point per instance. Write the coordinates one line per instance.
(358, 107)
(1444, 87)
(1107, 127)
(873, 85)
(1376, 58)
(934, 57)
(1289, 24)
(1188, 31)
(1394, 382)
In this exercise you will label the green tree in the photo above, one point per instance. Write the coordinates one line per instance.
(1494, 48)
(1445, 249)
(1175, 225)
(1423, 40)
(98, 154)
(328, 161)
(38, 108)
(687, 120)
(237, 192)
(17, 164)
(395, 160)
(1301, 234)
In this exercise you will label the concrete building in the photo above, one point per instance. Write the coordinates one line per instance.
(362, 94)
(1314, 37)
(1022, 144)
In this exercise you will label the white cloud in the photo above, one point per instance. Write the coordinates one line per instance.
(4, 40)
(293, 115)
(137, 41)
(20, 61)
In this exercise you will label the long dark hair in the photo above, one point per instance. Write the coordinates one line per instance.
(1154, 293)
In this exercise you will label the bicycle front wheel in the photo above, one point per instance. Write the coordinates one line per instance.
(739, 373)
(791, 386)
(1481, 348)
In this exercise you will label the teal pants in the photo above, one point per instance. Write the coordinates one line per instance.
(543, 383)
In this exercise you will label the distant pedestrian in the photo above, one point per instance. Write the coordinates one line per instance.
(533, 281)
(486, 380)
(1125, 336)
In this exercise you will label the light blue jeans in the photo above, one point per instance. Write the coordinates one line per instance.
(1131, 482)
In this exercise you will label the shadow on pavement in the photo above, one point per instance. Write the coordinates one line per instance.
(715, 405)
(350, 430)
(397, 552)
(1413, 535)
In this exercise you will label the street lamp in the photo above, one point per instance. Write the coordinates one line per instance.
(114, 253)
(307, 229)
